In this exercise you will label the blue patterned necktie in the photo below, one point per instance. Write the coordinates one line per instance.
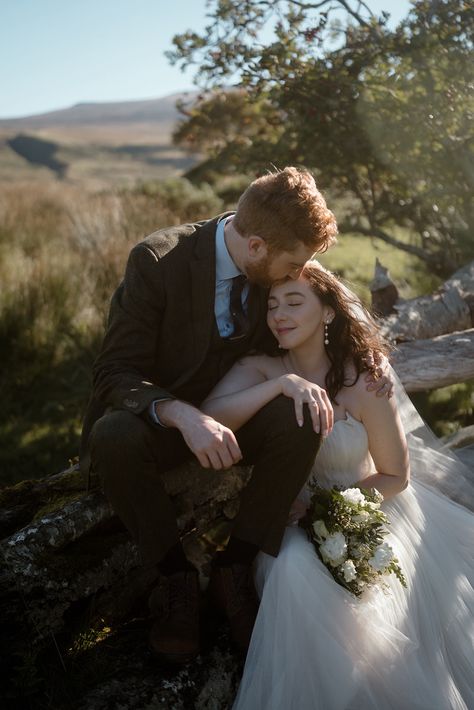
(239, 317)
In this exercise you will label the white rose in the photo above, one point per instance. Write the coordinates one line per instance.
(361, 517)
(372, 506)
(383, 555)
(334, 549)
(353, 495)
(320, 530)
(348, 569)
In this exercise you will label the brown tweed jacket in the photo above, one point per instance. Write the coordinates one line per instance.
(161, 323)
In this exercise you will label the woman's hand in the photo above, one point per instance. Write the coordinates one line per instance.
(304, 392)
(297, 511)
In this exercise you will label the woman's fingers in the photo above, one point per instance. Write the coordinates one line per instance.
(314, 411)
(326, 414)
(319, 405)
(299, 410)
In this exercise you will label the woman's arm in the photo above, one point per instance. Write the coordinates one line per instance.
(387, 442)
(241, 393)
(250, 385)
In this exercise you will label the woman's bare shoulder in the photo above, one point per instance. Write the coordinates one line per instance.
(362, 402)
(355, 394)
(268, 366)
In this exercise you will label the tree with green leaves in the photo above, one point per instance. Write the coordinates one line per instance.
(382, 116)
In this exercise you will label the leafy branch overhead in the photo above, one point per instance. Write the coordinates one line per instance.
(383, 116)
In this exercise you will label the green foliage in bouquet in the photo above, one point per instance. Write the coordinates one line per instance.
(347, 529)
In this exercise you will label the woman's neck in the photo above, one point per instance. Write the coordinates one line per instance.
(310, 361)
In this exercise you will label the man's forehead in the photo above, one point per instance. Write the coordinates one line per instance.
(302, 253)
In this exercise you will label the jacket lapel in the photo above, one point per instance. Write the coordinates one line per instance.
(203, 287)
(202, 273)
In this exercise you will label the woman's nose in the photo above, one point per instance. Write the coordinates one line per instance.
(279, 314)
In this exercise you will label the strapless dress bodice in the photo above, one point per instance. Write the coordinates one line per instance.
(344, 455)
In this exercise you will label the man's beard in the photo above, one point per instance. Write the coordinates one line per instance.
(260, 273)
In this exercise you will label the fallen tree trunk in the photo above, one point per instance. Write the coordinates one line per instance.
(58, 552)
(449, 309)
(73, 566)
(438, 362)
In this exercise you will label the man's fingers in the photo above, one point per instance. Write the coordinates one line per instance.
(378, 358)
(369, 360)
(225, 457)
(203, 459)
(234, 449)
(215, 460)
(385, 389)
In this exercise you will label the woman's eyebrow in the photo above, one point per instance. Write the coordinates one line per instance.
(287, 293)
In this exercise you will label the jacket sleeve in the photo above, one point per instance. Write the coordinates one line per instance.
(122, 374)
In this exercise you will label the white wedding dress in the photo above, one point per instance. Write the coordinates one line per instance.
(316, 647)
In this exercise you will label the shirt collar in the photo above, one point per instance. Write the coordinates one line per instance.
(225, 267)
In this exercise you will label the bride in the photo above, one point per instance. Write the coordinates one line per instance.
(314, 645)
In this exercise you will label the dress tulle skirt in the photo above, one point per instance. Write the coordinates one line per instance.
(315, 646)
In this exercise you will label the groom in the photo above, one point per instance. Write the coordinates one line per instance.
(193, 301)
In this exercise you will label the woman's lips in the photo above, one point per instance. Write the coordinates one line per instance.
(282, 331)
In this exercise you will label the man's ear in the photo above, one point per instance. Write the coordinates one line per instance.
(256, 247)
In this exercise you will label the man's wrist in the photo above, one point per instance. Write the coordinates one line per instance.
(152, 412)
(170, 412)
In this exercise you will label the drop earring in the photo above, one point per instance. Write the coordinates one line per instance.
(326, 334)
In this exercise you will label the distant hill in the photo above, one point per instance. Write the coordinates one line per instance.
(116, 142)
(160, 111)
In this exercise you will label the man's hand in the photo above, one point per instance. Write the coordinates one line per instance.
(380, 380)
(213, 444)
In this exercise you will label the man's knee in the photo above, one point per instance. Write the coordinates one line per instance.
(279, 419)
(116, 432)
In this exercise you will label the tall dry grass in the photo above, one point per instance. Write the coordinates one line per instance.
(62, 253)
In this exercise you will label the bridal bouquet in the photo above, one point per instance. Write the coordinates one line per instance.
(347, 529)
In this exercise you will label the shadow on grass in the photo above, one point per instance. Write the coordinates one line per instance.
(40, 419)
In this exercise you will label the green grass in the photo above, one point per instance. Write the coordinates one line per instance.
(353, 258)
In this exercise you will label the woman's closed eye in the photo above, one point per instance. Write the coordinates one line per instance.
(274, 306)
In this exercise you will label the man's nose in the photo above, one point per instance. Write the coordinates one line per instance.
(295, 272)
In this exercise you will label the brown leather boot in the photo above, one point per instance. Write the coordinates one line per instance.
(232, 590)
(174, 604)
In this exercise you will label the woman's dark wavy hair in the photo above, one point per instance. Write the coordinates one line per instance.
(350, 339)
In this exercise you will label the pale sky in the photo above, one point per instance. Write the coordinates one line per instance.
(56, 53)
